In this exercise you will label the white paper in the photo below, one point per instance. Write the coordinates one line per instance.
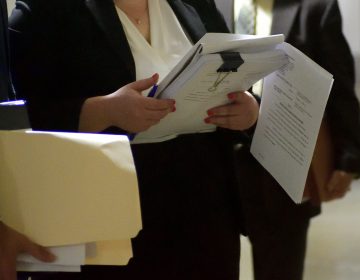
(292, 107)
(31, 267)
(68, 258)
(191, 87)
(71, 258)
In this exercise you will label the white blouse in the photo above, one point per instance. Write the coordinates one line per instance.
(169, 42)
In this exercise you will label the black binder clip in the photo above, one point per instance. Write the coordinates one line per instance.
(232, 61)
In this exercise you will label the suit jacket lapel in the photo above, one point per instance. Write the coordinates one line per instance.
(4, 52)
(284, 14)
(107, 19)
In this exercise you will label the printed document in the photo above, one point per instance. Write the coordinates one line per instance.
(198, 85)
(292, 107)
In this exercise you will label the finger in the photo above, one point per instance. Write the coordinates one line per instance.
(158, 114)
(239, 102)
(159, 104)
(224, 110)
(144, 84)
(37, 251)
(8, 270)
(239, 97)
(229, 122)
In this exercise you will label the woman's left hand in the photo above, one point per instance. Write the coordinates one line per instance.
(240, 114)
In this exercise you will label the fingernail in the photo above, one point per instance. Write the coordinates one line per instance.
(155, 76)
(174, 109)
(210, 113)
(207, 120)
(232, 96)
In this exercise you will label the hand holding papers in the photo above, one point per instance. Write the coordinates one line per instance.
(292, 108)
(206, 75)
(69, 188)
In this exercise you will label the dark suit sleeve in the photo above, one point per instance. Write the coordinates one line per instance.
(4, 62)
(343, 106)
(34, 62)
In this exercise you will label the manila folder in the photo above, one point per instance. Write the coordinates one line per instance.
(68, 188)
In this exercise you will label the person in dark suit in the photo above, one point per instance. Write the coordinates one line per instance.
(277, 228)
(12, 243)
(81, 67)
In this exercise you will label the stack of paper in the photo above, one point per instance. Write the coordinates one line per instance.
(70, 189)
(200, 82)
(295, 93)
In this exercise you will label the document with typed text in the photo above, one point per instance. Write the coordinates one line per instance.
(292, 107)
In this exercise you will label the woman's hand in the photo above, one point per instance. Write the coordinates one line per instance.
(12, 244)
(339, 184)
(240, 114)
(126, 108)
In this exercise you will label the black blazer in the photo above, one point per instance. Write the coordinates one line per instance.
(4, 53)
(315, 28)
(81, 51)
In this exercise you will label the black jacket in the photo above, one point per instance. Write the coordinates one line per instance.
(315, 28)
(4, 53)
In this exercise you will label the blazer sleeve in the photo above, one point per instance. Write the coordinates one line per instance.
(33, 66)
(342, 110)
(4, 61)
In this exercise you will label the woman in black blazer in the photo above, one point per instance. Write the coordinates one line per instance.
(71, 57)
(12, 243)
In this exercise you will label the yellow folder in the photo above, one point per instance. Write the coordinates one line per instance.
(68, 188)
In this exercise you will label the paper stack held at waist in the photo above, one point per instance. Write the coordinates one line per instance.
(65, 189)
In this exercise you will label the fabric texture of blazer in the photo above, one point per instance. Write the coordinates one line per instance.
(4, 53)
(64, 51)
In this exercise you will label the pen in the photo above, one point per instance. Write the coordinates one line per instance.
(151, 94)
(153, 91)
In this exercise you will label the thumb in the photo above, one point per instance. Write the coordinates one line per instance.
(144, 84)
(38, 252)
